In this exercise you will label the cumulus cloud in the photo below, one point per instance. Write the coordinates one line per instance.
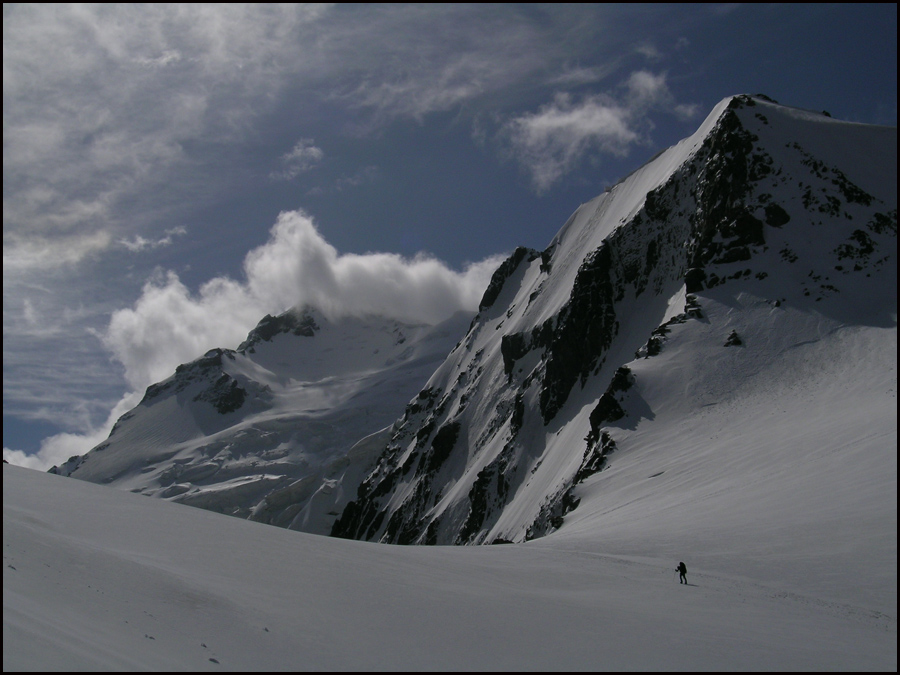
(169, 324)
(552, 141)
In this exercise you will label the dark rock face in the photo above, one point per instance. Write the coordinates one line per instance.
(553, 511)
(734, 340)
(776, 216)
(513, 347)
(502, 273)
(225, 395)
(298, 323)
(724, 229)
(584, 330)
(608, 408)
(658, 337)
(708, 197)
(364, 517)
(488, 495)
(221, 390)
(207, 368)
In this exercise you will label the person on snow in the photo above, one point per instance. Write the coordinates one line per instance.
(682, 571)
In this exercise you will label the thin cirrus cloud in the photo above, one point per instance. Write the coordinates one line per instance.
(104, 103)
(100, 101)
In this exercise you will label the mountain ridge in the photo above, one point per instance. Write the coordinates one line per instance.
(270, 431)
(623, 271)
(768, 229)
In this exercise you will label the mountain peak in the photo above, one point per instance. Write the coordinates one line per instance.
(298, 321)
(763, 207)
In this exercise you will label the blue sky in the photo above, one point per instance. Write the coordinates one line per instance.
(171, 173)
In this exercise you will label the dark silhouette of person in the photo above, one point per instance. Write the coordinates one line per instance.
(682, 570)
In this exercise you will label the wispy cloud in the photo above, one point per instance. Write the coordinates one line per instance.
(103, 103)
(303, 157)
(100, 100)
(551, 142)
(139, 243)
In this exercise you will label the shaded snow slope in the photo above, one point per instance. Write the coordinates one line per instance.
(278, 430)
(99, 579)
(691, 312)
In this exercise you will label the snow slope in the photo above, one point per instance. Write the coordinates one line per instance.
(279, 430)
(99, 579)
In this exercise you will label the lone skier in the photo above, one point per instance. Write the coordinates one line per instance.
(682, 571)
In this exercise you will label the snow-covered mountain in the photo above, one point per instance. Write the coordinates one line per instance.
(701, 366)
(279, 430)
(736, 289)
(704, 293)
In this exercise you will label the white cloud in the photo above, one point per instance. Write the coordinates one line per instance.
(101, 100)
(169, 325)
(649, 52)
(139, 243)
(552, 141)
(29, 253)
(58, 448)
(579, 75)
(646, 89)
(303, 157)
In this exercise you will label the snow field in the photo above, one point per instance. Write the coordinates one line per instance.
(100, 579)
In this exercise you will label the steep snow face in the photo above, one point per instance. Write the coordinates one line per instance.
(280, 430)
(768, 234)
